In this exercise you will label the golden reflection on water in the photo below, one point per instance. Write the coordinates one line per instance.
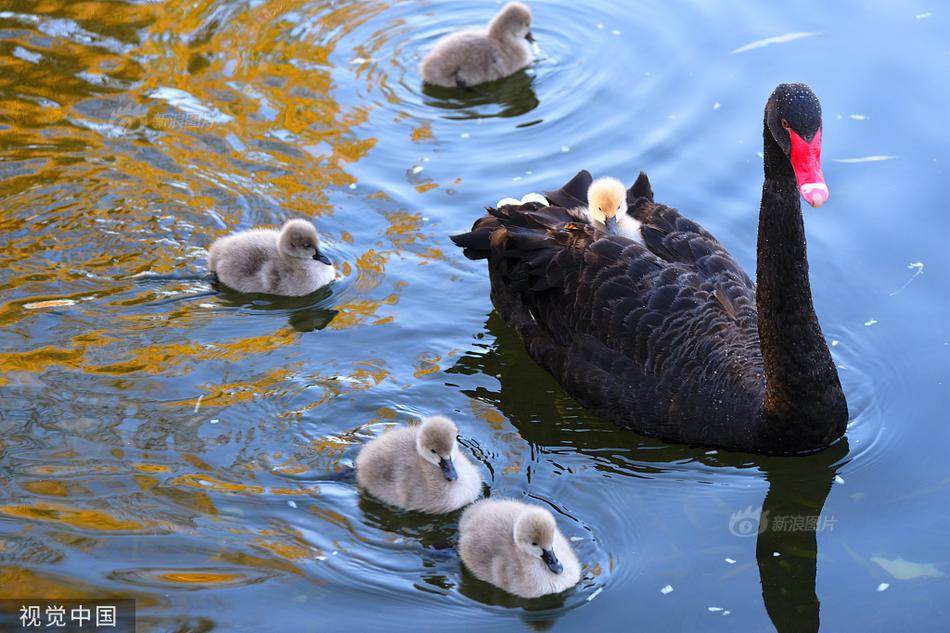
(80, 518)
(132, 135)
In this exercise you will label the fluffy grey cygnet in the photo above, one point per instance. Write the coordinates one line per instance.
(517, 547)
(472, 57)
(286, 262)
(419, 467)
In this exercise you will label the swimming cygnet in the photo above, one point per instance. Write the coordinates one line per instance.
(419, 467)
(475, 56)
(517, 547)
(607, 209)
(286, 262)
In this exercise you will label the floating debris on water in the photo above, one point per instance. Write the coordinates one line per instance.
(907, 570)
(769, 41)
(731, 561)
(292, 503)
(870, 322)
(918, 268)
(667, 589)
(857, 117)
(876, 158)
(923, 16)
(595, 594)
(715, 609)
(198, 404)
(838, 479)
(883, 586)
(52, 303)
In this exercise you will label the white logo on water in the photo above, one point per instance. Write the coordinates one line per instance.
(748, 522)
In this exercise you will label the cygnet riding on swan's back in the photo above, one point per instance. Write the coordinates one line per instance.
(286, 262)
(419, 467)
(517, 547)
(607, 208)
(604, 205)
(472, 57)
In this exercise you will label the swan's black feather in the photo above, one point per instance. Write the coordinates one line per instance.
(574, 193)
(660, 337)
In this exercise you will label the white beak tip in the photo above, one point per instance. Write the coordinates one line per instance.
(815, 193)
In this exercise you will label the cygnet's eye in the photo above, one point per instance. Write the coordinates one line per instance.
(535, 543)
(599, 209)
(433, 450)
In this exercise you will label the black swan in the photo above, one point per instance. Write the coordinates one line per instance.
(668, 336)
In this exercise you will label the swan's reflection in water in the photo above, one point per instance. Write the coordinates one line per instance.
(511, 96)
(786, 548)
(304, 314)
(437, 533)
(539, 614)
(792, 515)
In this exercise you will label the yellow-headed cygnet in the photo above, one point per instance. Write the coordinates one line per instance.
(607, 209)
(419, 467)
(517, 547)
(472, 57)
(286, 262)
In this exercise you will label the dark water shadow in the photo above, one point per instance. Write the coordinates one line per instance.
(304, 314)
(791, 513)
(512, 95)
(436, 532)
(539, 614)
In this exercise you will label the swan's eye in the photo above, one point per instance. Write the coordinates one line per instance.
(786, 125)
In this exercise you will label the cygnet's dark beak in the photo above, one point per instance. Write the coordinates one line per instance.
(448, 469)
(612, 225)
(547, 555)
(530, 37)
(320, 257)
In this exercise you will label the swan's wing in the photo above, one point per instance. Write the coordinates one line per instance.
(634, 334)
(574, 193)
(675, 238)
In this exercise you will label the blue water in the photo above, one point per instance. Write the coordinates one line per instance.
(164, 441)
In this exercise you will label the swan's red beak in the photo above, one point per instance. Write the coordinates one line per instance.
(806, 161)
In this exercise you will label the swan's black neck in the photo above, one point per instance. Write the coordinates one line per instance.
(804, 407)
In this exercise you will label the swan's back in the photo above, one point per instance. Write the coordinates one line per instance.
(660, 337)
